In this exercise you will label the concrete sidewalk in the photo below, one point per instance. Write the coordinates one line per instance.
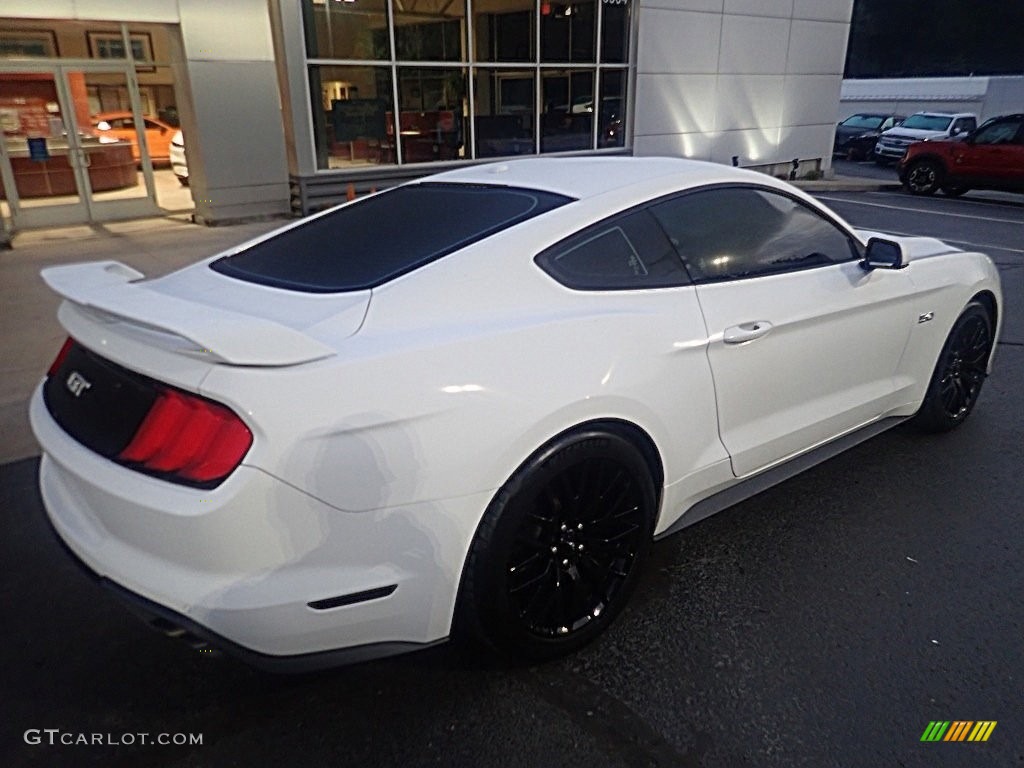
(30, 335)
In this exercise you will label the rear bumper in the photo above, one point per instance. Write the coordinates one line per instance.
(256, 566)
(178, 162)
(180, 627)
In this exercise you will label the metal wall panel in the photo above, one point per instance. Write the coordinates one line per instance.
(678, 42)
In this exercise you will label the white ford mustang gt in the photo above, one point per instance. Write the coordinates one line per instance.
(469, 403)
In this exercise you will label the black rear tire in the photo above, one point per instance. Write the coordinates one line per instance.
(924, 177)
(559, 548)
(959, 372)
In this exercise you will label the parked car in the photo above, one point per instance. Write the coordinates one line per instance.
(919, 127)
(467, 404)
(177, 155)
(992, 157)
(857, 135)
(121, 125)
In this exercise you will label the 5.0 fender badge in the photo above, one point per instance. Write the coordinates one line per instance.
(77, 383)
(925, 317)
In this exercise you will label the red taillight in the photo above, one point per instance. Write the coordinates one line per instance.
(59, 360)
(189, 438)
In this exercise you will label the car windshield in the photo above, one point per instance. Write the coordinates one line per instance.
(376, 239)
(867, 122)
(927, 122)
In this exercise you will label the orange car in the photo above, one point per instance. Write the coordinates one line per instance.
(121, 125)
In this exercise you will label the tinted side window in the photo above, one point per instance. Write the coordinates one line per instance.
(964, 124)
(723, 234)
(1002, 132)
(624, 252)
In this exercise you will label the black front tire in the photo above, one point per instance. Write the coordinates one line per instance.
(559, 548)
(959, 372)
(924, 177)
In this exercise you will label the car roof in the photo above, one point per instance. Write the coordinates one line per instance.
(584, 177)
(946, 114)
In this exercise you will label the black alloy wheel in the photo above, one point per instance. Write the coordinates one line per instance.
(959, 373)
(924, 177)
(559, 548)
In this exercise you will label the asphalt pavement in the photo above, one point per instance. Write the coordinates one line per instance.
(824, 622)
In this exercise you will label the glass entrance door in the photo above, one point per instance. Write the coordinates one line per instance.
(63, 159)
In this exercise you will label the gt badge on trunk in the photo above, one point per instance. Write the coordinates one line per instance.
(77, 384)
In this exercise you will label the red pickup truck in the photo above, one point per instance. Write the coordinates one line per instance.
(990, 157)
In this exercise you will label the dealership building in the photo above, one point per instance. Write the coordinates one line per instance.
(289, 105)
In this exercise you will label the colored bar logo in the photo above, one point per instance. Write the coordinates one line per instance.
(959, 730)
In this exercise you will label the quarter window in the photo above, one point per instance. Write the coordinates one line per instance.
(738, 232)
(622, 253)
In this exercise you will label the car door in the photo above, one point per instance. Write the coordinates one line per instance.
(123, 128)
(158, 140)
(804, 343)
(993, 155)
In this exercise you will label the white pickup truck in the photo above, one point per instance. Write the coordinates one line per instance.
(892, 144)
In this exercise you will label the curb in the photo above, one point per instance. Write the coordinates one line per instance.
(833, 185)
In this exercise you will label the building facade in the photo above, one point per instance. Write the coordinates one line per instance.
(289, 105)
(984, 96)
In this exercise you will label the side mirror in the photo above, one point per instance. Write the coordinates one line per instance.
(883, 254)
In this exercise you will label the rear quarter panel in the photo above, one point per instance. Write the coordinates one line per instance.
(464, 368)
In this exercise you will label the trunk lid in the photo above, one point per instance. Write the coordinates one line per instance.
(204, 315)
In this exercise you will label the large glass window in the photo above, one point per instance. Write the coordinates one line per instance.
(356, 30)
(352, 118)
(432, 109)
(611, 120)
(504, 30)
(430, 30)
(568, 118)
(546, 75)
(505, 108)
(615, 31)
(567, 30)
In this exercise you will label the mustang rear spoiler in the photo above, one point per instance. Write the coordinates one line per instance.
(233, 337)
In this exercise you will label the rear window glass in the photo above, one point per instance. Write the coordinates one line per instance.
(377, 239)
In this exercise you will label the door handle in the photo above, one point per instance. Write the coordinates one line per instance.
(739, 334)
